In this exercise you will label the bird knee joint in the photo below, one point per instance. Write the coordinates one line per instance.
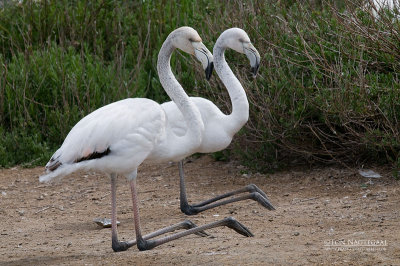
(252, 187)
(145, 244)
(119, 246)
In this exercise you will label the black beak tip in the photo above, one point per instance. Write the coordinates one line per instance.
(209, 70)
(254, 70)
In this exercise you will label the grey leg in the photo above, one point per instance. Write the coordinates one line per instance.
(121, 245)
(255, 193)
(146, 244)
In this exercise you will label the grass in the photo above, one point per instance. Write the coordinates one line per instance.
(327, 92)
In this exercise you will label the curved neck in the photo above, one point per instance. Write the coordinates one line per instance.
(175, 91)
(240, 105)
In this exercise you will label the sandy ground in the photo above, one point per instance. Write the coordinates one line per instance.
(52, 224)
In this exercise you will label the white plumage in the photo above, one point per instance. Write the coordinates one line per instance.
(215, 137)
(131, 131)
(118, 137)
(129, 128)
(219, 128)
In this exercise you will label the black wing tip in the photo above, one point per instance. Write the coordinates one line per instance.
(53, 166)
(94, 155)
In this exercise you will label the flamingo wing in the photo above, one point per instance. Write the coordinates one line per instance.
(123, 131)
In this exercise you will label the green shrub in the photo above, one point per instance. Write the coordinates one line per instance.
(61, 60)
(21, 148)
(328, 88)
(327, 91)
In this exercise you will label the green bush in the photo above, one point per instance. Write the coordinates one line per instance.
(61, 60)
(327, 91)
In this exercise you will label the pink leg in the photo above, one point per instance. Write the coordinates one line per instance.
(116, 245)
(122, 246)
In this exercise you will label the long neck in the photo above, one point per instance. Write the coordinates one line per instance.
(240, 105)
(175, 91)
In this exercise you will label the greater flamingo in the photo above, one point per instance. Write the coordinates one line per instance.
(219, 128)
(118, 137)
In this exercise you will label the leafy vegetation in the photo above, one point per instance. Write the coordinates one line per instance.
(328, 88)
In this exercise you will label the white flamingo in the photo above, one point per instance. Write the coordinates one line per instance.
(118, 137)
(220, 128)
(376, 6)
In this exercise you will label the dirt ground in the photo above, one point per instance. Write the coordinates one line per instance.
(323, 216)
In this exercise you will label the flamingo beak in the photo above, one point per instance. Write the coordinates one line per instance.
(254, 69)
(253, 56)
(205, 57)
(209, 70)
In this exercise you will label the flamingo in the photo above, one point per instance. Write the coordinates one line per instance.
(117, 138)
(375, 6)
(219, 128)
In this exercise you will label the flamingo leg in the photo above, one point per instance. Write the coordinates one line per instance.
(143, 243)
(187, 224)
(253, 191)
(122, 245)
(116, 244)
